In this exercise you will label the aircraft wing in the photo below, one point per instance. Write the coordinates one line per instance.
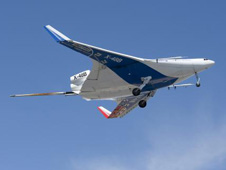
(69, 93)
(129, 68)
(106, 57)
(125, 105)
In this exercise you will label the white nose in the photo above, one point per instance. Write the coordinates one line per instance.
(202, 64)
(210, 63)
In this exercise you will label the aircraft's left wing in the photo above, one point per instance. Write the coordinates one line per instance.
(128, 67)
(125, 105)
(106, 57)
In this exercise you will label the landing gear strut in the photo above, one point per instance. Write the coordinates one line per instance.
(198, 80)
(142, 104)
(145, 80)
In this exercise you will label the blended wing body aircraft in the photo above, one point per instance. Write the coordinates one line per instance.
(128, 80)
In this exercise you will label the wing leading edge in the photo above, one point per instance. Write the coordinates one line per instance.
(89, 50)
(69, 93)
(125, 105)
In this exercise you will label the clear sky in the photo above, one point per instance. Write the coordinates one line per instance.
(183, 129)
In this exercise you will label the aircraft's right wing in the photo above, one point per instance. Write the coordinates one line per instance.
(126, 104)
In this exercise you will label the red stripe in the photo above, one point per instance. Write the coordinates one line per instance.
(103, 112)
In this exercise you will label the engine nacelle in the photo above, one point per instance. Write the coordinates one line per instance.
(78, 80)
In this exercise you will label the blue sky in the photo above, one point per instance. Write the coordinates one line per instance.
(179, 129)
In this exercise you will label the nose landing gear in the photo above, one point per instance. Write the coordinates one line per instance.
(198, 80)
(198, 84)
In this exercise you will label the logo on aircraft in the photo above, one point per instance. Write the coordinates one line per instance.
(115, 59)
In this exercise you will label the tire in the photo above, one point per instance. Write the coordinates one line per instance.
(198, 84)
(142, 104)
(136, 92)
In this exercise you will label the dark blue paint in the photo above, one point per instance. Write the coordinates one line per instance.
(128, 69)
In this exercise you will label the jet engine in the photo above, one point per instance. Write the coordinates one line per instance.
(78, 80)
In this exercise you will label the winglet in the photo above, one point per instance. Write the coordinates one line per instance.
(104, 111)
(58, 36)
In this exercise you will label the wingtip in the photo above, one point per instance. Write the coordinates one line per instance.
(58, 36)
(46, 26)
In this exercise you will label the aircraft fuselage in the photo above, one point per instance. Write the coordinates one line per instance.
(164, 72)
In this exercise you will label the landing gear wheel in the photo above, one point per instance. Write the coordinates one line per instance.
(142, 104)
(136, 91)
(198, 80)
(198, 84)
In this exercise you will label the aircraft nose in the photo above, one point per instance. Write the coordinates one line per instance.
(211, 63)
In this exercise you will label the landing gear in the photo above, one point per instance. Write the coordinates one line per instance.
(198, 84)
(136, 91)
(145, 80)
(142, 104)
(198, 80)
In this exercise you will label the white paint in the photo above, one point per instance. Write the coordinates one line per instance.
(50, 28)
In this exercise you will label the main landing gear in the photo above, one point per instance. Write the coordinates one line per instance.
(142, 104)
(137, 91)
(198, 80)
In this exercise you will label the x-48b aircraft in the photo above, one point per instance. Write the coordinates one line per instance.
(128, 80)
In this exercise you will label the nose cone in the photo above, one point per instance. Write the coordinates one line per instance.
(210, 63)
(202, 64)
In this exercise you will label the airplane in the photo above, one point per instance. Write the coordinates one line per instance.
(128, 80)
